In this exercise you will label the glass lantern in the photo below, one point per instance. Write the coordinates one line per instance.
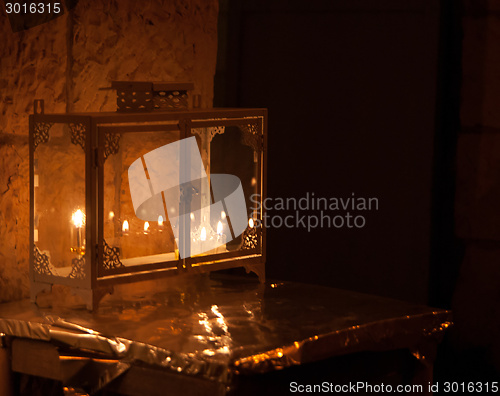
(123, 197)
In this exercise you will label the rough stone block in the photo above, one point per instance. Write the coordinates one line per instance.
(33, 65)
(14, 219)
(476, 303)
(480, 7)
(477, 205)
(481, 71)
(151, 41)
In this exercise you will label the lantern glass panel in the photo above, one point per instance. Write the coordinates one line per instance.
(59, 200)
(140, 239)
(228, 151)
(231, 154)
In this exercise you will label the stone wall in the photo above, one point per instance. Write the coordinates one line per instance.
(65, 62)
(476, 303)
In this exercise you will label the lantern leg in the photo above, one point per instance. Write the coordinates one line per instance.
(37, 288)
(92, 297)
(258, 269)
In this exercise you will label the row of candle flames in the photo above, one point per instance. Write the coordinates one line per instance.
(78, 219)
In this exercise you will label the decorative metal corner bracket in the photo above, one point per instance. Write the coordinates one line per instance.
(252, 136)
(41, 133)
(77, 268)
(111, 144)
(78, 134)
(250, 239)
(111, 259)
(41, 263)
(210, 131)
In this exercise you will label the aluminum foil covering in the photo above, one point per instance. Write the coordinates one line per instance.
(217, 328)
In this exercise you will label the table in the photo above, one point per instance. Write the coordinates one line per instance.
(206, 336)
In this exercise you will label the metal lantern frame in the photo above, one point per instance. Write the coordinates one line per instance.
(99, 134)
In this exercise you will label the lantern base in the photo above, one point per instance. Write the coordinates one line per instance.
(258, 269)
(92, 297)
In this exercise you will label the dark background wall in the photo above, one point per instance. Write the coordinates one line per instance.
(387, 99)
(351, 92)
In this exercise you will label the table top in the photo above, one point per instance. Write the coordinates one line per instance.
(212, 327)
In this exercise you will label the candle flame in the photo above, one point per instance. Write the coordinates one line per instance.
(78, 218)
(203, 234)
(146, 226)
(160, 220)
(250, 222)
(125, 226)
(111, 215)
(219, 228)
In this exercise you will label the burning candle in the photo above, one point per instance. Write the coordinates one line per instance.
(146, 228)
(176, 249)
(203, 238)
(250, 222)
(221, 238)
(78, 219)
(160, 223)
(125, 227)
